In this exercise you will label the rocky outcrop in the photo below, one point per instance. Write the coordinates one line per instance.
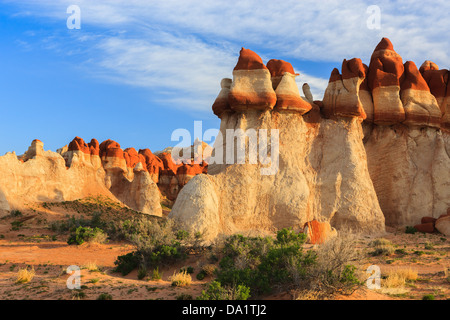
(44, 177)
(439, 84)
(318, 232)
(79, 170)
(286, 90)
(252, 85)
(443, 224)
(341, 98)
(407, 143)
(320, 164)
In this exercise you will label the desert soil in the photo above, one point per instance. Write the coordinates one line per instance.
(35, 245)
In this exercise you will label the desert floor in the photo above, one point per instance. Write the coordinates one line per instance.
(34, 245)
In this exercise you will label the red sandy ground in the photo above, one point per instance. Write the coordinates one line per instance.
(32, 246)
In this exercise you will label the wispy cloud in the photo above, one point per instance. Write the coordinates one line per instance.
(184, 47)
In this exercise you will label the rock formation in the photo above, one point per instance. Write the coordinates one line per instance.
(321, 165)
(407, 143)
(39, 176)
(139, 179)
(318, 232)
(374, 151)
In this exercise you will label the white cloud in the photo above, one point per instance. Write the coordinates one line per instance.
(187, 46)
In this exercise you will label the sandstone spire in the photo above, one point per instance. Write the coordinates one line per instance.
(252, 86)
(286, 89)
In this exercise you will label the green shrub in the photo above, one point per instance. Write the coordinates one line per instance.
(156, 274)
(105, 296)
(428, 297)
(382, 247)
(410, 230)
(78, 295)
(15, 213)
(126, 263)
(16, 225)
(182, 234)
(156, 243)
(188, 270)
(215, 291)
(401, 251)
(142, 273)
(201, 275)
(263, 263)
(87, 234)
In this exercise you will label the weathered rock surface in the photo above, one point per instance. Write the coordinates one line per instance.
(40, 176)
(319, 232)
(46, 178)
(374, 151)
(252, 85)
(321, 166)
(443, 225)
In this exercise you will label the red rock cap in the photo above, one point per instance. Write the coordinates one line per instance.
(413, 78)
(249, 60)
(277, 68)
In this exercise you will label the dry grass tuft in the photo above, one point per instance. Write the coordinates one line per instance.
(181, 279)
(25, 275)
(308, 295)
(91, 266)
(396, 280)
(399, 277)
(382, 247)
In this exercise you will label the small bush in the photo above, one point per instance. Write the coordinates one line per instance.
(428, 297)
(16, 225)
(142, 273)
(15, 213)
(215, 291)
(263, 263)
(182, 235)
(209, 269)
(401, 251)
(201, 275)
(398, 278)
(25, 275)
(184, 296)
(78, 295)
(91, 266)
(126, 263)
(105, 296)
(156, 274)
(188, 270)
(382, 247)
(429, 246)
(410, 230)
(87, 234)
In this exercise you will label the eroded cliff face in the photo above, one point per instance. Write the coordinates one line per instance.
(407, 137)
(375, 150)
(320, 169)
(46, 176)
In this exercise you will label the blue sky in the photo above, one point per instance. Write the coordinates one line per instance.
(138, 70)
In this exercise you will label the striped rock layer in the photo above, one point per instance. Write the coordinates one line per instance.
(389, 91)
(256, 86)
